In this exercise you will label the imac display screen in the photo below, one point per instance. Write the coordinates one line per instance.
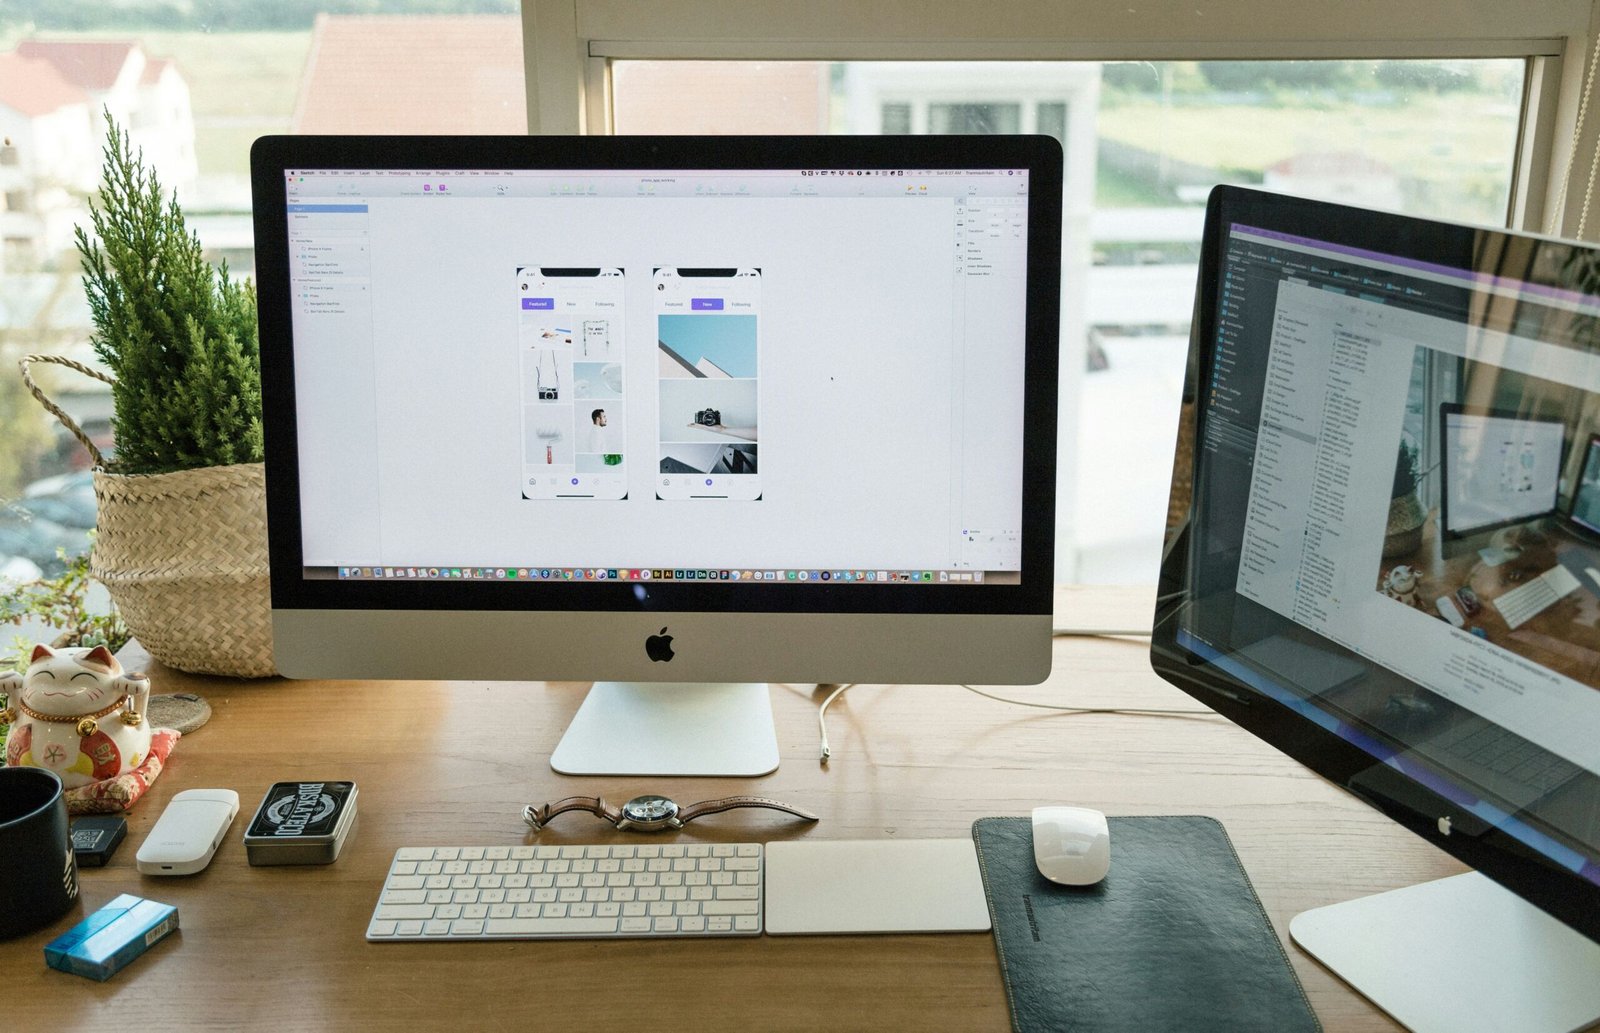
(1371, 391)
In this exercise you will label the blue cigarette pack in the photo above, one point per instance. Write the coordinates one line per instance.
(102, 944)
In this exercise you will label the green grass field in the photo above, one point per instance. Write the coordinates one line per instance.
(1457, 149)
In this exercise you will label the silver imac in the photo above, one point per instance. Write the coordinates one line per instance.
(677, 416)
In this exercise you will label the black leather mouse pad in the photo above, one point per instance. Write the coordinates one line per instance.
(1174, 938)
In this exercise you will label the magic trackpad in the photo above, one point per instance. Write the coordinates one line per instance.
(874, 886)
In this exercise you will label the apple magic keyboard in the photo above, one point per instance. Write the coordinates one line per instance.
(570, 892)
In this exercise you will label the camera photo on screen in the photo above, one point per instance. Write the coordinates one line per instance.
(708, 410)
(546, 374)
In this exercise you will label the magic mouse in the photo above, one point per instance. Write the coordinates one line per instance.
(1071, 845)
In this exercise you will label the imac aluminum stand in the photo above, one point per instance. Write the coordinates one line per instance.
(663, 728)
(1460, 954)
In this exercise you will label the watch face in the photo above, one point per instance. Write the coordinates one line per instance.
(649, 809)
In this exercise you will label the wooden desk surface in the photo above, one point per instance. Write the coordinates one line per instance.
(438, 763)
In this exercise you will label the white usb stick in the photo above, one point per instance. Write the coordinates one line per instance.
(188, 832)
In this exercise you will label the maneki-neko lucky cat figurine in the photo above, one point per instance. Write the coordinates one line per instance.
(77, 714)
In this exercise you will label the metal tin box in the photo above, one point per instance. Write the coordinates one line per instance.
(301, 823)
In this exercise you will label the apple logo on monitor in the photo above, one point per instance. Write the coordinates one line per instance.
(659, 647)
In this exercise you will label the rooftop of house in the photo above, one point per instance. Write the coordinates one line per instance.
(90, 64)
(154, 69)
(33, 86)
(413, 74)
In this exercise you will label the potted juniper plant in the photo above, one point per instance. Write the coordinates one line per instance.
(181, 540)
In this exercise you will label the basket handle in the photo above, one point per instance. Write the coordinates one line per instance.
(54, 409)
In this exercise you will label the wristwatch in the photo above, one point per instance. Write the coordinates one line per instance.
(651, 813)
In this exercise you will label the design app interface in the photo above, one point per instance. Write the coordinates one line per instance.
(574, 398)
(708, 334)
(782, 374)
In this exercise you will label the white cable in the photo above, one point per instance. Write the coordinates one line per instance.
(1089, 710)
(838, 690)
(1066, 632)
(822, 724)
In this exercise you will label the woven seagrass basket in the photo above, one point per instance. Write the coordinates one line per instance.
(183, 555)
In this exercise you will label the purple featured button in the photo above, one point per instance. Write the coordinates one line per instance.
(548, 303)
(705, 304)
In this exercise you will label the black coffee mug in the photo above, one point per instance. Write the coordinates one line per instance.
(38, 874)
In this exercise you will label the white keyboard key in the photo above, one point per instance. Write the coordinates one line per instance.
(393, 896)
(549, 926)
(729, 907)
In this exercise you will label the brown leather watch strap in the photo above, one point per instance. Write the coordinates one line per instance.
(728, 803)
(537, 817)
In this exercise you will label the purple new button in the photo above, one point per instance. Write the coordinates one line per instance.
(705, 304)
(549, 303)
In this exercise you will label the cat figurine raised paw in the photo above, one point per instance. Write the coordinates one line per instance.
(77, 714)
